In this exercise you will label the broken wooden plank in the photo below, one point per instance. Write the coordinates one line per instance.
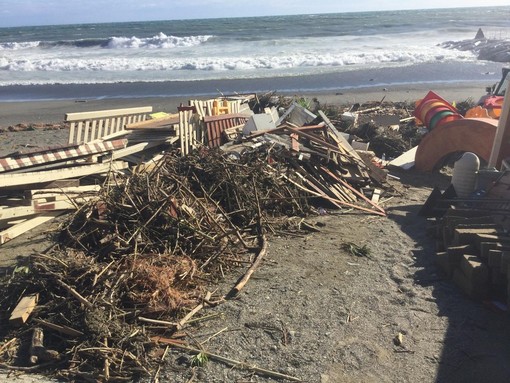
(43, 157)
(345, 144)
(165, 123)
(357, 192)
(70, 182)
(376, 173)
(64, 202)
(376, 196)
(23, 309)
(55, 192)
(52, 175)
(336, 202)
(29, 224)
(130, 150)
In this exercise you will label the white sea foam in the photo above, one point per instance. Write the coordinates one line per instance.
(160, 41)
(221, 63)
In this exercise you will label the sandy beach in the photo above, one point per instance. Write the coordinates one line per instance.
(339, 314)
(53, 111)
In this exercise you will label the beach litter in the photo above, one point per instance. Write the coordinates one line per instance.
(159, 209)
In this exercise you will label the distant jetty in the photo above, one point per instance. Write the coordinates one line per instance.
(485, 49)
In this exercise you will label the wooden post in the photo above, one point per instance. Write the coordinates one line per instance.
(502, 135)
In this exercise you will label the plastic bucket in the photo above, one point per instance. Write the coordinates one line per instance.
(435, 110)
(427, 106)
(437, 117)
(445, 120)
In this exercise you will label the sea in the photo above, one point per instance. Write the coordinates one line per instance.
(298, 53)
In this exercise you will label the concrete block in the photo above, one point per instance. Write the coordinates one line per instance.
(469, 236)
(474, 269)
(494, 258)
(469, 286)
(505, 261)
(456, 252)
(500, 238)
(451, 223)
(486, 247)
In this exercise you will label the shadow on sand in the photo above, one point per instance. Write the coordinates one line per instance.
(476, 344)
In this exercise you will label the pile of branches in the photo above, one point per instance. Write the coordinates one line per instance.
(129, 263)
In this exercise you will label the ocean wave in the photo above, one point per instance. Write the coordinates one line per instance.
(161, 41)
(152, 63)
(14, 46)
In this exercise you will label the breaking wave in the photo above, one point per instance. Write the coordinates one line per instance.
(115, 64)
(159, 41)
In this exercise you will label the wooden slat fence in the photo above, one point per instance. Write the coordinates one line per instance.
(90, 126)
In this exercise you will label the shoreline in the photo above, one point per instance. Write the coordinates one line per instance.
(53, 111)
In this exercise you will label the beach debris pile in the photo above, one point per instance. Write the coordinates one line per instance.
(39, 184)
(159, 209)
(128, 265)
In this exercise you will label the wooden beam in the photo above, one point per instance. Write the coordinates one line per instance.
(121, 153)
(351, 188)
(67, 153)
(502, 131)
(63, 203)
(52, 175)
(343, 142)
(165, 123)
(54, 192)
(106, 113)
(29, 224)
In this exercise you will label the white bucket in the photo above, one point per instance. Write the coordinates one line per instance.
(464, 174)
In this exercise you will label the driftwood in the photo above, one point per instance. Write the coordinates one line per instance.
(237, 364)
(190, 315)
(256, 263)
(39, 353)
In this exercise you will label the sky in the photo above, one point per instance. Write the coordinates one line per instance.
(49, 12)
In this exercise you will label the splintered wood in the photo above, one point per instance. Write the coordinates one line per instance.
(158, 213)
